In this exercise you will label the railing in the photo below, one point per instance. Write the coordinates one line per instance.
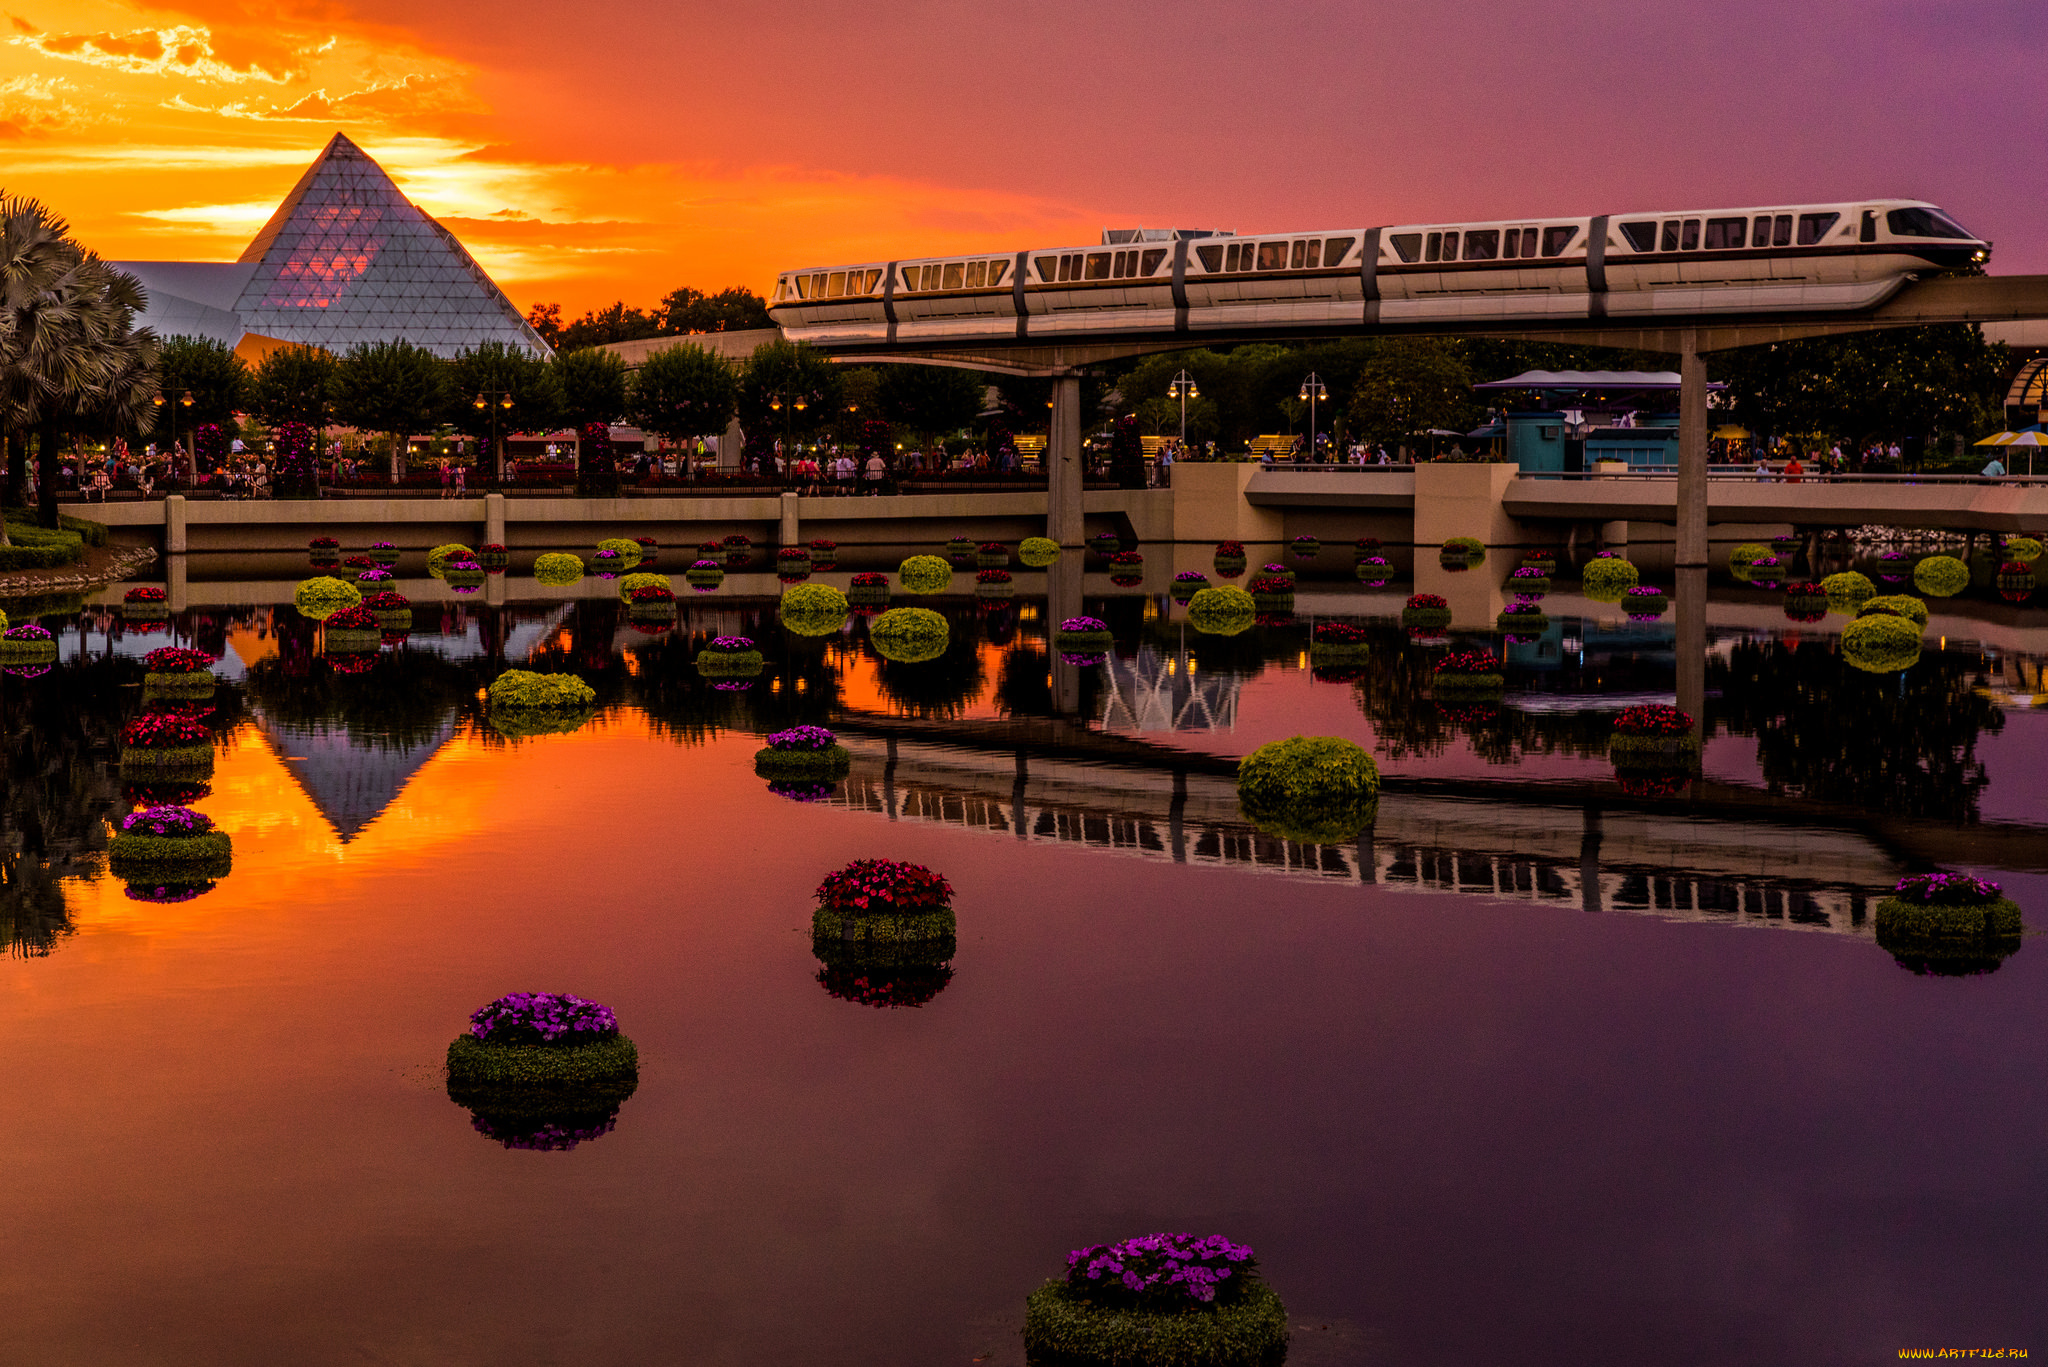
(1405, 468)
(1736, 474)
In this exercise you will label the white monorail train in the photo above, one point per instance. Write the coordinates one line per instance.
(1628, 267)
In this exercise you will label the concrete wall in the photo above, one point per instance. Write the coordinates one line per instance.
(1464, 500)
(1209, 504)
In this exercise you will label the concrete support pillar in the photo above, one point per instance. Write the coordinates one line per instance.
(494, 589)
(1063, 464)
(1691, 603)
(174, 524)
(787, 533)
(176, 593)
(494, 519)
(1692, 451)
(1063, 600)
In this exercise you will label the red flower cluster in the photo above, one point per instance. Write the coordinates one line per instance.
(823, 545)
(884, 885)
(1122, 558)
(146, 593)
(645, 543)
(386, 600)
(1805, 591)
(992, 577)
(359, 562)
(164, 731)
(177, 660)
(869, 579)
(1369, 544)
(1339, 634)
(323, 543)
(357, 618)
(739, 541)
(994, 548)
(654, 593)
(1272, 583)
(1468, 662)
(1230, 548)
(793, 553)
(1652, 719)
(709, 548)
(1427, 600)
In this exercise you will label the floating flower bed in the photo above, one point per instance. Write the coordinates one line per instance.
(1186, 583)
(1606, 578)
(359, 562)
(1366, 545)
(1653, 736)
(1744, 555)
(2016, 581)
(1316, 790)
(174, 671)
(960, 545)
(704, 575)
(1428, 611)
(1463, 547)
(883, 913)
(869, 589)
(1785, 545)
(167, 891)
(352, 629)
(372, 577)
(824, 553)
(1273, 593)
(993, 584)
(1885, 643)
(1893, 566)
(1225, 610)
(1941, 576)
(144, 602)
(323, 543)
(652, 603)
(609, 564)
(813, 610)
(1161, 1300)
(384, 553)
(631, 583)
(1087, 634)
(1104, 543)
(522, 703)
(493, 556)
(907, 987)
(1645, 602)
(542, 1070)
(1374, 570)
(1765, 572)
(1528, 582)
(1948, 924)
(1807, 602)
(26, 644)
(169, 844)
(392, 609)
(909, 635)
(320, 598)
(2025, 549)
(165, 744)
(992, 555)
(1896, 605)
(793, 555)
(1036, 552)
(1545, 561)
(1467, 676)
(1338, 643)
(711, 548)
(802, 790)
(557, 569)
(809, 753)
(625, 553)
(1306, 547)
(738, 541)
(1229, 560)
(926, 574)
(439, 558)
(729, 657)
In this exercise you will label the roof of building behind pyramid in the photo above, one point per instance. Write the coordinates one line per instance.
(345, 259)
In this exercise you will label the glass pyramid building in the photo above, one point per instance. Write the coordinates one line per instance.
(345, 259)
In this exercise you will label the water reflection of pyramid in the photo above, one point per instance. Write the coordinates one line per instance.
(350, 782)
(347, 258)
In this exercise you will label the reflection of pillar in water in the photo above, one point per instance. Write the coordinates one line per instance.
(494, 590)
(175, 590)
(1589, 862)
(1176, 817)
(1063, 600)
(1017, 813)
(1368, 869)
(1475, 594)
(889, 781)
(1692, 644)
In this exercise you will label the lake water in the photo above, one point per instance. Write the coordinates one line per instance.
(1538, 1071)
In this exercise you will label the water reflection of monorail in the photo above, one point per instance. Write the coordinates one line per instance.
(1702, 870)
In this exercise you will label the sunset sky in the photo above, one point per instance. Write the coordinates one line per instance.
(593, 152)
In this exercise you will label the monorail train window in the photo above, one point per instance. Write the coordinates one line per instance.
(1781, 231)
(1098, 266)
(1300, 255)
(1272, 256)
(803, 286)
(1669, 241)
(1726, 234)
(1436, 247)
(1511, 244)
(1408, 246)
(1337, 248)
(1211, 257)
(1641, 236)
(1482, 245)
(1869, 232)
(1689, 239)
(1048, 268)
(996, 271)
(1923, 223)
(955, 276)
(1814, 227)
(977, 274)
(1450, 246)
(1153, 256)
(818, 285)
(1555, 240)
(835, 284)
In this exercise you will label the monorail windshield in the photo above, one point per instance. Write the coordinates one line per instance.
(1924, 223)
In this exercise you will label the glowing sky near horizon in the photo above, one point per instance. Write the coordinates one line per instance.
(592, 153)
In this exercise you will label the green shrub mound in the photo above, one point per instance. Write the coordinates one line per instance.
(524, 688)
(925, 574)
(629, 582)
(630, 552)
(557, 569)
(520, 723)
(1468, 546)
(1743, 554)
(1652, 752)
(352, 640)
(1882, 644)
(819, 766)
(2024, 549)
(1084, 642)
(40, 548)
(1036, 552)
(916, 939)
(158, 684)
(1224, 610)
(179, 761)
(813, 610)
(609, 1063)
(438, 558)
(1522, 623)
(1526, 585)
(189, 857)
(323, 595)
(1426, 619)
(28, 652)
(1903, 920)
(1605, 581)
(1064, 1327)
(1450, 687)
(1316, 790)
(910, 635)
(707, 576)
(1941, 576)
(728, 664)
(1848, 590)
(1898, 605)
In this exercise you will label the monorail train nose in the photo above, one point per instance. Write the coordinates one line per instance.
(1982, 254)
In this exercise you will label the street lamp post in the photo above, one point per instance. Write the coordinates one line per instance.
(1312, 390)
(788, 405)
(496, 401)
(1183, 388)
(177, 398)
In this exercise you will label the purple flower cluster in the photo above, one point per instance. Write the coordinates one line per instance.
(175, 823)
(1191, 577)
(1160, 1269)
(1529, 572)
(27, 631)
(548, 1136)
(543, 1018)
(704, 565)
(167, 892)
(375, 576)
(1946, 890)
(1084, 624)
(803, 738)
(730, 643)
(382, 546)
(1082, 659)
(1276, 569)
(1642, 591)
(468, 566)
(605, 555)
